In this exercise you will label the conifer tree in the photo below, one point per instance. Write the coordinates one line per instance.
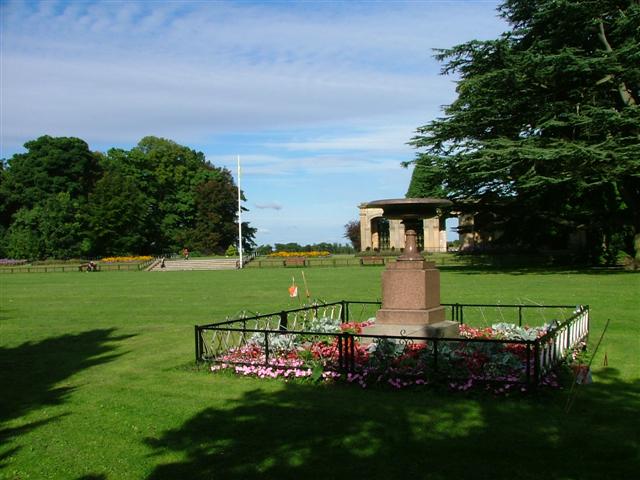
(545, 130)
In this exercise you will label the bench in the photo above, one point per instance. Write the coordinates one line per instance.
(88, 267)
(294, 262)
(372, 261)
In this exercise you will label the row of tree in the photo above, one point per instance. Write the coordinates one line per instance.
(61, 200)
(296, 247)
(544, 136)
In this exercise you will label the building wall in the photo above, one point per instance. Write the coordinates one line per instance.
(470, 232)
(434, 232)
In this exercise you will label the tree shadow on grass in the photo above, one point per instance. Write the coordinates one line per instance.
(29, 374)
(304, 431)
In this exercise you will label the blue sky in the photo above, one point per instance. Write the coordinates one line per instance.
(317, 98)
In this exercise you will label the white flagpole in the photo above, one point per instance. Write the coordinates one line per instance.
(239, 215)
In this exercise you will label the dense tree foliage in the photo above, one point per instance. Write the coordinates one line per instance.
(168, 175)
(545, 132)
(61, 200)
(50, 166)
(119, 216)
(315, 247)
(216, 202)
(51, 228)
(352, 232)
(43, 195)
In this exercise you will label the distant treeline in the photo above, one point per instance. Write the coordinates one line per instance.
(295, 247)
(61, 200)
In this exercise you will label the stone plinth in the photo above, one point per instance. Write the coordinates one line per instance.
(395, 329)
(443, 329)
(446, 329)
(411, 285)
(404, 316)
(411, 302)
(410, 294)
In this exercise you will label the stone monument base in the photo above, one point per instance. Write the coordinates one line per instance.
(444, 329)
(386, 316)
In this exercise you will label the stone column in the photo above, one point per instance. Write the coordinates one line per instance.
(443, 241)
(396, 234)
(365, 230)
(442, 226)
(431, 234)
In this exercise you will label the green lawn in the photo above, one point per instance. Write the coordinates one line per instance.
(98, 383)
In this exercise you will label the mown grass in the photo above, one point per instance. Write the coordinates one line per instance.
(98, 382)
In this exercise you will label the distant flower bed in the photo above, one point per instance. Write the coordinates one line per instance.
(142, 258)
(9, 262)
(300, 254)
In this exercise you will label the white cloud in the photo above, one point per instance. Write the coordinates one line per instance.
(319, 99)
(124, 102)
(378, 139)
(377, 149)
(116, 72)
(310, 164)
(269, 206)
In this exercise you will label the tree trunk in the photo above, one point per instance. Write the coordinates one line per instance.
(625, 93)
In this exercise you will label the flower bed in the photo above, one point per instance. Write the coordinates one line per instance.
(499, 357)
(129, 259)
(312, 254)
(10, 262)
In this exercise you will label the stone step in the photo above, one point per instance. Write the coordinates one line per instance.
(197, 264)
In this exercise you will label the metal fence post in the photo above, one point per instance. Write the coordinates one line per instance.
(352, 352)
(520, 315)
(529, 364)
(536, 363)
(266, 348)
(197, 339)
(435, 355)
(283, 320)
(585, 311)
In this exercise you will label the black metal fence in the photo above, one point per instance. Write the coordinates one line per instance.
(520, 314)
(328, 336)
(76, 267)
